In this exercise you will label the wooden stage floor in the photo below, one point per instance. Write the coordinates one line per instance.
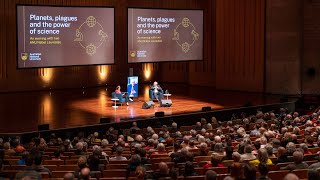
(24, 111)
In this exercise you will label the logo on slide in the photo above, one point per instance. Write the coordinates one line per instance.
(95, 35)
(133, 53)
(24, 56)
(185, 26)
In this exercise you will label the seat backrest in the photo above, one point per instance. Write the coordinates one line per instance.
(119, 162)
(202, 158)
(301, 173)
(60, 174)
(277, 174)
(117, 166)
(191, 178)
(53, 162)
(68, 167)
(115, 173)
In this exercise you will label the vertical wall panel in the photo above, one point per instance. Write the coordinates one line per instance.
(283, 42)
(239, 63)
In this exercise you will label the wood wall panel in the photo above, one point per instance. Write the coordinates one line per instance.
(240, 45)
(283, 46)
(311, 50)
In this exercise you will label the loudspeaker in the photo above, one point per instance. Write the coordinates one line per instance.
(159, 114)
(165, 103)
(147, 104)
(206, 109)
(104, 120)
(43, 127)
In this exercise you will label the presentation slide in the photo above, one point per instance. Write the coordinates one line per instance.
(157, 35)
(132, 86)
(50, 36)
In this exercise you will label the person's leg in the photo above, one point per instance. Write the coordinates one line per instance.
(126, 97)
(156, 95)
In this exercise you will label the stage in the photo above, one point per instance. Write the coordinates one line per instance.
(24, 111)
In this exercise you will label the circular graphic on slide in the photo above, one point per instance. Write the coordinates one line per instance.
(90, 35)
(185, 35)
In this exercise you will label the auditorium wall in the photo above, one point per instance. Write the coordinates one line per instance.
(233, 49)
(310, 71)
(283, 46)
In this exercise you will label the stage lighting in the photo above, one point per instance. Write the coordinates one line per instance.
(103, 72)
(147, 69)
(46, 74)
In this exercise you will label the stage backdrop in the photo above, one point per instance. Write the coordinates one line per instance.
(229, 58)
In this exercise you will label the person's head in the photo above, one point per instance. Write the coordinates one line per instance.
(263, 169)
(135, 159)
(57, 153)
(263, 155)
(82, 162)
(218, 147)
(37, 159)
(85, 174)
(291, 176)
(236, 156)
(215, 160)
(313, 174)
(248, 148)
(140, 172)
(304, 147)
(68, 176)
(203, 146)
(269, 149)
(174, 125)
(29, 160)
(155, 137)
(118, 88)
(134, 124)
(291, 147)
(119, 151)
(188, 169)
(163, 168)
(79, 146)
(155, 83)
(250, 172)
(191, 143)
(229, 152)
(217, 139)
(184, 151)
(161, 147)
(139, 138)
(104, 143)
(297, 157)
(211, 175)
(281, 151)
(169, 141)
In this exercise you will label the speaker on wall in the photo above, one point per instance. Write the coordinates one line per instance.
(43, 127)
(104, 120)
(147, 104)
(165, 103)
(159, 114)
(206, 109)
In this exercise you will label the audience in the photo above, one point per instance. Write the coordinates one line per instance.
(118, 156)
(248, 143)
(211, 175)
(298, 162)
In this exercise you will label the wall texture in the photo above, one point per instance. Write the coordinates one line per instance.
(233, 49)
(283, 46)
(240, 27)
(311, 48)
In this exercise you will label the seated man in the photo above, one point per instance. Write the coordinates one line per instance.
(125, 95)
(157, 91)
